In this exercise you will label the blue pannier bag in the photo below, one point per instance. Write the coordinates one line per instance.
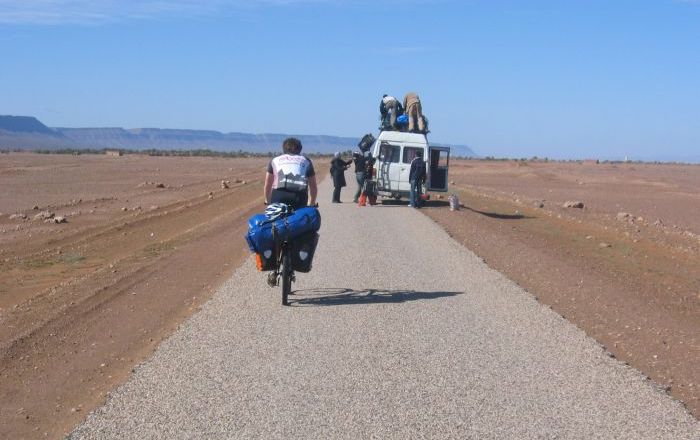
(260, 236)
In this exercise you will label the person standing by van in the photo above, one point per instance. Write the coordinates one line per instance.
(414, 110)
(389, 108)
(360, 169)
(290, 178)
(416, 177)
(338, 167)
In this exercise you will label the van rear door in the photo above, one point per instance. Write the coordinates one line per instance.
(438, 163)
(388, 167)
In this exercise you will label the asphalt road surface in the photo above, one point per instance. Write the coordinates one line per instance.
(398, 332)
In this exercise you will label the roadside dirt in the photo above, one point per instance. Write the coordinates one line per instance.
(625, 268)
(147, 241)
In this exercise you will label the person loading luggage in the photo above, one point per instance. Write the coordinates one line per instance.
(412, 105)
(389, 108)
(290, 177)
(360, 169)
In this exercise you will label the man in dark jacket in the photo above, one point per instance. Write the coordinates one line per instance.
(338, 167)
(417, 177)
(360, 171)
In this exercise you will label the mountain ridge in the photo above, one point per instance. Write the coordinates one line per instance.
(28, 133)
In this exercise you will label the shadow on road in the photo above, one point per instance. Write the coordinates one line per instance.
(497, 215)
(341, 296)
(445, 204)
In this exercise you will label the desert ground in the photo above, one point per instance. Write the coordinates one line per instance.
(148, 239)
(625, 267)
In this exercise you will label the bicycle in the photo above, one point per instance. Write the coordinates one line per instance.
(284, 264)
(283, 269)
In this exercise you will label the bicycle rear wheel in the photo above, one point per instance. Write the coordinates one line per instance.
(286, 277)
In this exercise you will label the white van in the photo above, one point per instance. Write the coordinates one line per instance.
(395, 150)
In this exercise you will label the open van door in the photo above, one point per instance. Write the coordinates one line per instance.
(438, 163)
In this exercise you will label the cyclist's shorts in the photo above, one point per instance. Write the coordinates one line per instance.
(295, 199)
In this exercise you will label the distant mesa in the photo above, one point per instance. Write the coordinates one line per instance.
(24, 124)
(28, 133)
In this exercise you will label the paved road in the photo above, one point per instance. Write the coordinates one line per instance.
(398, 332)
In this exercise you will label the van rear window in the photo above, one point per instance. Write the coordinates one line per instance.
(389, 153)
(409, 153)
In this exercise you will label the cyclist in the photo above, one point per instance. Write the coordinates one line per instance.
(290, 177)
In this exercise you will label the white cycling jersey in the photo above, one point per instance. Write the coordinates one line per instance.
(291, 172)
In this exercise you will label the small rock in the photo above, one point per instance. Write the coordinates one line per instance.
(452, 182)
(60, 219)
(153, 207)
(124, 208)
(160, 185)
(19, 215)
(243, 182)
(588, 237)
(570, 204)
(44, 215)
(604, 245)
(621, 216)
(224, 184)
(538, 204)
(35, 207)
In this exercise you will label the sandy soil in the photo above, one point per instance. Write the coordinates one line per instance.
(625, 268)
(82, 302)
(148, 239)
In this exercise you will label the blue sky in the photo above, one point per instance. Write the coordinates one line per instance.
(511, 78)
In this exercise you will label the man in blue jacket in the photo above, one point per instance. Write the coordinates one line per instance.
(417, 177)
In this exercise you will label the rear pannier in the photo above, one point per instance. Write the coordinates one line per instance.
(265, 235)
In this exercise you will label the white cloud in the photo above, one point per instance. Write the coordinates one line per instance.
(103, 11)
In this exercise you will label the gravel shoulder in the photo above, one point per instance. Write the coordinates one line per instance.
(398, 332)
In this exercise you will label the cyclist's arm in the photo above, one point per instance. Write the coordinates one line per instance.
(313, 190)
(269, 178)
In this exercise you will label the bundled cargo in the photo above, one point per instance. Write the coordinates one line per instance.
(264, 236)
